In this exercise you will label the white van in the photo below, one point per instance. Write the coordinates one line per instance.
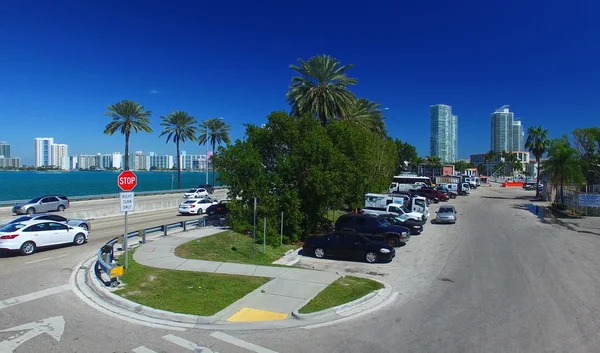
(450, 187)
(395, 187)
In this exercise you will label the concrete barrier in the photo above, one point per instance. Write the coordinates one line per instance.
(94, 209)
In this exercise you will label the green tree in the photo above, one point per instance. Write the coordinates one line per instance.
(537, 144)
(562, 166)
(368, 115)
(489, 157)
(587, 143)
(127, 116)
(415, 163)
(481, 169)
(214, 131)
(461, 166)
(407, 154)
(434, 161)
(321, 89)
(179, 127)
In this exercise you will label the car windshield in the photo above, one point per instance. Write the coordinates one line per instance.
(36, 200)
(21, 219)
(190, 201)
(12, 227)
(192, 190)
(445, 210)
(384, 222)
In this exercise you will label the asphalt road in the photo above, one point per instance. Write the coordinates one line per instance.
(497, 281)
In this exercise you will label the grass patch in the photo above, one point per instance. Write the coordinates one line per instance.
(342, 291)
(230, 246)
(185, 292)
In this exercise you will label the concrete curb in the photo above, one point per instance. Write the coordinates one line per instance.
(361, 304)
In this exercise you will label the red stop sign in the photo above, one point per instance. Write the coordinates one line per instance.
(127, 180)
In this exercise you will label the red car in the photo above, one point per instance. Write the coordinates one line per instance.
(436, 193)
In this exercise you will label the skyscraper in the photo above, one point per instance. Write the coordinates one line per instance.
(502, 130)
(4, 149)
(443, 133)
(42, 151)
(518, 136)
(59, 155)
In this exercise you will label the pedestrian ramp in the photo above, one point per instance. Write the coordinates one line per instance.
(178, 343)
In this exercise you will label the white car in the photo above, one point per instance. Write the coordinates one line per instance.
(195, 193)
(27, 237)
(198, 206)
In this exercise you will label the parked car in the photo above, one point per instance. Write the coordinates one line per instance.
(209, 188)
(372, 227)
(451, 194)
(43, 204)
(29, 236)
(195, 193)
(414, 227)
(434, 192)
(446, 214)
(196, 206)
(83, 223)
(218, 209)
(394, 209)
(430, 197)
(350, 246)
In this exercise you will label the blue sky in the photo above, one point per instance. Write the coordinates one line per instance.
(62, 63)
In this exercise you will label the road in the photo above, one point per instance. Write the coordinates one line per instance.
(497, 281)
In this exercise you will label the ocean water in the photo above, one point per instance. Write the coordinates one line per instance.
(21, 185)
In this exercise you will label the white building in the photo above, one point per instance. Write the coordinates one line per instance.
(59, 154)
(90, 161)
(112, 160)
(139, 161)
(10, 162)
(73, 162)
(193, 161)
(161, 162)
(42, 151)
(443, 133)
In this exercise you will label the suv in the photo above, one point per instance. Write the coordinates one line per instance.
(43, 204)
(373, 227)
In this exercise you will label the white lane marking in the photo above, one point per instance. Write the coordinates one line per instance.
(46, 259)
(142, 349)
(238, 342)
(33, 296)
(348, 318)
(186, 344)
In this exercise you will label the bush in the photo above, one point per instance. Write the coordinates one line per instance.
(559, 206)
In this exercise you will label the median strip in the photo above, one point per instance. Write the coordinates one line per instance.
(341, 291)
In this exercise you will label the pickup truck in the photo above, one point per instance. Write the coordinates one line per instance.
(372, 227)
(394, 209)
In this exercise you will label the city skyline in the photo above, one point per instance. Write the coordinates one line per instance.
(443, 133)
(507, 134)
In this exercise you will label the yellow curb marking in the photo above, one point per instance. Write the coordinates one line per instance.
(255, 315)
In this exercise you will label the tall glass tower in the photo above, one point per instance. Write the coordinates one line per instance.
(443, 133)
(502, 130)
(518, 136)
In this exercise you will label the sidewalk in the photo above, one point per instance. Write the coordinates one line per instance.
(290, 289)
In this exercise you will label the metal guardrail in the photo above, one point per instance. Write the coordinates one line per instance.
(111, 196)
(106, 259)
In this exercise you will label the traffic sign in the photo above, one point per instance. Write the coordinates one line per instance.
(127, 180)
(127, 201)
(589, 200)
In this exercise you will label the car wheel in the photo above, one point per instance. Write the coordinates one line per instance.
(79, 239)
(320, 253)
(60, 208)
(30, 210)
(28, 248)
(84, 226)
(393, 241)
(371, 257)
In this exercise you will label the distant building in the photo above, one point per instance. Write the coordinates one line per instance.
(4, 149)
(139, 161)
(506, 133)
(112, 160)
(443, 133)
(10, 162)
(430, 171)
(73, 162)
(518, 136)
(42, 151)
(161, 162)
(59, 156)
(193, 161)
(89, 161)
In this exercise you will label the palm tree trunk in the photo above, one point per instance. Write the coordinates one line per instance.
(214, 145)
(178, 167)
(537, 186)
(562, 191)
(126, 151)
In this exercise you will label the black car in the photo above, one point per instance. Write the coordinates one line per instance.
(415, 227)
(209, 188)
(218, 209)
(350, 246)
(372, 227)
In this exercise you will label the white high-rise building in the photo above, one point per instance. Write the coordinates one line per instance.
(161, 162)
(139, 161)
(112, 160)
(518, 136)
(90, 161)
(42, 151)
(443, 133)
(59, 155)
(501, 130)
(73, 162)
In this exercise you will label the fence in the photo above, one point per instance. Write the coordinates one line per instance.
(106, 260)
(571, 197)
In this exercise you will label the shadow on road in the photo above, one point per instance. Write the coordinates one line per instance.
(528, 198)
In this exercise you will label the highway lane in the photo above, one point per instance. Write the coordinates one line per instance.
(497, 281)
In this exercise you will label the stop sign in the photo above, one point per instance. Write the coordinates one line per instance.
(127, 180)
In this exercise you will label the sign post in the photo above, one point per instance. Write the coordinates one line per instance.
(127, 182)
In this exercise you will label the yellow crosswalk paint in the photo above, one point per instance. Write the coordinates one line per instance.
(255, 315)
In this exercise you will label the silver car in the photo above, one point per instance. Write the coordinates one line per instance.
(43, 204)
(83, 223)
(446, 214)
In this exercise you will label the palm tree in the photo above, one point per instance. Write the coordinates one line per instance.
(562, 165)
(490, 156)
(127, 116)
(179, 127)
(321, 89)
(214, 131)
(434, 161)
(537, 144)
(415, 163)
(368, 115)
